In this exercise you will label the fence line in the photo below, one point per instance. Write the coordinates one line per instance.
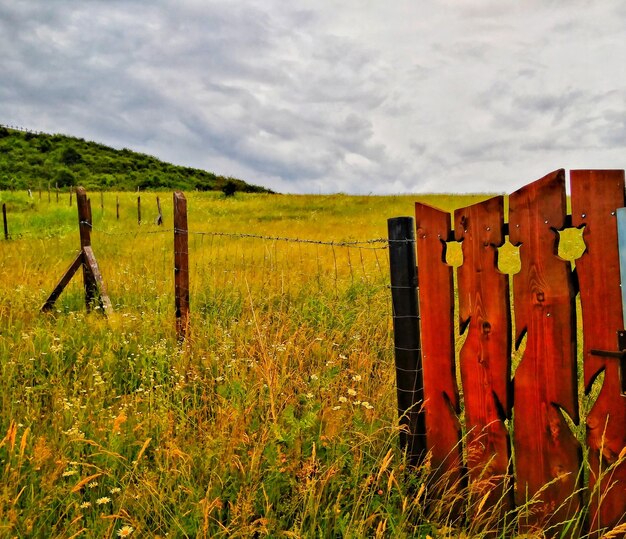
(219, 266)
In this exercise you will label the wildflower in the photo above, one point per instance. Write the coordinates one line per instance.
(314, 377)
(352, 392)
(367, 405)
(115, 490)
(357, 377)
(309, 395)
(93, 484)
(356, 403)
(84, 505)
(125, 531)
(336, 407)
(343, 399)
(103, 500)
(69, 473)
(219, 379)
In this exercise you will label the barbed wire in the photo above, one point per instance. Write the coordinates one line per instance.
(372, 244)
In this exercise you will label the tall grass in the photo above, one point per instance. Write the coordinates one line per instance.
(276, 418)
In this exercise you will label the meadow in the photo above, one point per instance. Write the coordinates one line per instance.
(276, 417)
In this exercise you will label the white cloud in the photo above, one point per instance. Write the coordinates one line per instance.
(326, 96)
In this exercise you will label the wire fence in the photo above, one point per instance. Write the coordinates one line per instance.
(223, 264)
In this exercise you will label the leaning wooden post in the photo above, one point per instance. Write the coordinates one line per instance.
(159, 219)
(4, 220)
(409, 380)
(94, 285)
(181, 264)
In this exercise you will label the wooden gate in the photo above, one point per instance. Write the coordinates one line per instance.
(515, 419)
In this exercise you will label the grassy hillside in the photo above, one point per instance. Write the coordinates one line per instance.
(38, 160)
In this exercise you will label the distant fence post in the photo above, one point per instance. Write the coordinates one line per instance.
(138, 210)
(410, 388)
(159, 219)
(181, 264)
(70, 196)
(117, 207)
(4, 220)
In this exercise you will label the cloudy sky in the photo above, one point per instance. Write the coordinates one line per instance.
(325, 96)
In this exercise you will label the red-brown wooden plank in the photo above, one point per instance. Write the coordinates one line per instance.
(484, 311)
(181, 265)
(545, 380)
(596, 194)
(436, 301)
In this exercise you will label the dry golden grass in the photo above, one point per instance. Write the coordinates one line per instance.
(278, 416)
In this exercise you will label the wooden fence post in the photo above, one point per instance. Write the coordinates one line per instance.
(102, 200)
(94, 285)
(138, 210)
(84, 224)
(4, 220)
(70, 196)
(117, 207)
(181, 264)
(409, 380)
(159, 219)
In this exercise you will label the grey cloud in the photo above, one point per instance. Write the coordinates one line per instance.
(300, 99)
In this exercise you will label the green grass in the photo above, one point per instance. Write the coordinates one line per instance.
(277, 418)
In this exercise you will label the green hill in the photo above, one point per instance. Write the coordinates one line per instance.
(31, 160)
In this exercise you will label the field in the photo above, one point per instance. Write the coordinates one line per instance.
(277, 417)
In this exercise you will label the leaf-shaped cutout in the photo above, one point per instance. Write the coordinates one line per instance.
(573, 426)
(592, 391)
(518, 352)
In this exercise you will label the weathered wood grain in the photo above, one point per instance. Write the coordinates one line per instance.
(436, 306)
(547, 455)
(485, 315)
(181, 264)
(90, 265)
(596, 194)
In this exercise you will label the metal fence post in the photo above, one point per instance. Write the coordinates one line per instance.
(409, 379)
(4, 220)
